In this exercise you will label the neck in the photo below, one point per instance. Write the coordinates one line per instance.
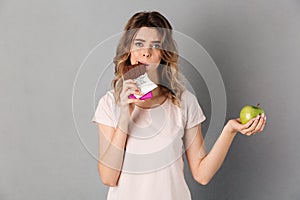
(156, 92)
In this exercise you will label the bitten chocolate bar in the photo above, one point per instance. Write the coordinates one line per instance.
(138, 73)
(134, 71)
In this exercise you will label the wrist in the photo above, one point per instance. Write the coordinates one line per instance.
(230, 130)
(124, 120)
(124, 109)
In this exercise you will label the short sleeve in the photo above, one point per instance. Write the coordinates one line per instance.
(104, 112)
(193, 112)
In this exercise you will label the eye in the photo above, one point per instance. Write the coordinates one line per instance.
(138, 44)
(155, 46)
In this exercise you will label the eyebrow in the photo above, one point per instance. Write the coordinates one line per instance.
(141, 40)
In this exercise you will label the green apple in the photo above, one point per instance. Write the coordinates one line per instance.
(249, 112)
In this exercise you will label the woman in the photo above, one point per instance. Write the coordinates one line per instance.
(141, 141)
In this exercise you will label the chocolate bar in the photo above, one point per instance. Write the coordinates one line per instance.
(134, 71)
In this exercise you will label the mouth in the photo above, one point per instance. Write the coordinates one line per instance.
(141, 63)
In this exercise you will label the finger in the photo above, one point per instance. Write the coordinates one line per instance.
(129, 81)
(139, 93)
(129, 92)
(130, 85)
(263, 126)
(253, 126)
(133, 91)
(131, 88)
(244, 128)
(248, 124)
(247, 127)
(249, 133)
(260, 124)
(128, 101)
(245, 133)
(135, 101)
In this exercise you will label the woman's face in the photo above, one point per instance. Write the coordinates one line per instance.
(145, 48)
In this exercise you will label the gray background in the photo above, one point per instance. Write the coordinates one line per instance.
(255, 44)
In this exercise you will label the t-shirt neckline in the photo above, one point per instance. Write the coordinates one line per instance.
(157, 106)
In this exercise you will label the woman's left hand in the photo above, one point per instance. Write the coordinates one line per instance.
(254, 126)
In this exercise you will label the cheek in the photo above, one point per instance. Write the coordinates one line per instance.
(134, 54)
(133, 57)
(157, 56)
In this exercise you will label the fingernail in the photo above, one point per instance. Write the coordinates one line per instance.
(263, 114)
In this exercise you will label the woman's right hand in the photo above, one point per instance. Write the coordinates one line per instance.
(129, 87)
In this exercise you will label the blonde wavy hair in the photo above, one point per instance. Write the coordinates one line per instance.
(170, 80)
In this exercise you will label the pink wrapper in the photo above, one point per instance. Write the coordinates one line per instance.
(146, 96)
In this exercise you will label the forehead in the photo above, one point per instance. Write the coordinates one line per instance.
(147, 33)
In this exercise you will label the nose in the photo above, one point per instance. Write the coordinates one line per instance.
(146, 53)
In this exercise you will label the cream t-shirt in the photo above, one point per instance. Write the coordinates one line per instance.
(153, 163)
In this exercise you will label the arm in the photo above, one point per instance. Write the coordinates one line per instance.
(204, 166)
(112, 141)
(112, 144)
